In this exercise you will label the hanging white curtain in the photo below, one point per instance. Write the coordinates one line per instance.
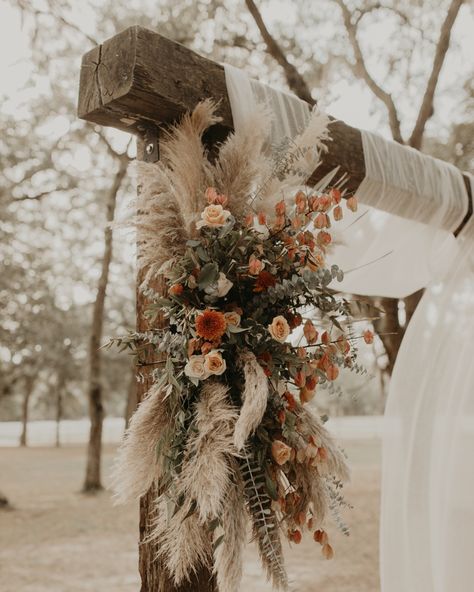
(399, 241)
(427, 520)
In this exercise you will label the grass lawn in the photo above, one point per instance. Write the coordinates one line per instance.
(57, 540)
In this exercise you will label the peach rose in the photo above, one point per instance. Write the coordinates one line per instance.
(280, 452)
(213, 216)
(214, 363)
(279, 329)
(195, 368)
(232, 318)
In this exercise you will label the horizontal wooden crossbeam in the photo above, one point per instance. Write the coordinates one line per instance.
(139, 77)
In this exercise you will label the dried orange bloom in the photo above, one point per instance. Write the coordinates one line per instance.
(328, 551)
(337, 213)
(310, 332)
(280, 208)
(211, 325)
(368, 337)
(306, 395)
(332, 372)
(352, 204)
(176, 290)
(295, 536)
(335, 195)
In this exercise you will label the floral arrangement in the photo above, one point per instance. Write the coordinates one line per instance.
(251, 327)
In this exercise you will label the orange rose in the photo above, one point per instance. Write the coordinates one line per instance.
(280, 452)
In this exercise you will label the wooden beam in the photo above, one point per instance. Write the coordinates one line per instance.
(139, 76)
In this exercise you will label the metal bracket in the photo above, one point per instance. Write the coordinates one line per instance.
(150, 138)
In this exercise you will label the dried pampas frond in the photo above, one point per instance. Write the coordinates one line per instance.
(242, 161)
(254, 398)
(228, 554)
(205, 474)
(184, 542)
(138, 465)
(158, 220)
(185, 157)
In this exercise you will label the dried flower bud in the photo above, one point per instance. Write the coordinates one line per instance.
(352, 204)
(310, 332)
(281, 452)
(368, 337)
(332, 372)
(280, 208)
(328, 551)
(306, 395)
(337, 213)
(335, 195)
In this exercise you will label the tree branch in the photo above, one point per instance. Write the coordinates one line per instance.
(361, 71)
(294, 79)
(426, 109)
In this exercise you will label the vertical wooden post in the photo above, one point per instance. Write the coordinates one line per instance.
(154, 575)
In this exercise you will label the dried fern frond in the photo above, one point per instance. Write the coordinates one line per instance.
(205, 474)
(264, 522)
(254, 398)
(138, 464)
(228, 554)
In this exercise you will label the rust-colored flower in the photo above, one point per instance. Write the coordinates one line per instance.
(211, 325)
(264, 281)
(290, 400)
(321, 221)
(320, 537)
(176, 290)
(295, 536)
(301, 202)
(368, 337)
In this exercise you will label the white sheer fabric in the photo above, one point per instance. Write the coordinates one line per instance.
(399, 241)
(384, 252)
(427, 521)
(401, 236)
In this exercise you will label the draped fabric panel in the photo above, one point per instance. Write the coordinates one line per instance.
(427, 519)
(399, 241)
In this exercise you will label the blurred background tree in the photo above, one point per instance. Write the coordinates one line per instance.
(65, 284)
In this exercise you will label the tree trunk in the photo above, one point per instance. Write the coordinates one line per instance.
(4, 503)
(92, 480)
(132, 399)
(59, 406)
(29, 384)
(154, 575)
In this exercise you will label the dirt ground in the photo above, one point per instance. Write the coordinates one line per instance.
(57, 540)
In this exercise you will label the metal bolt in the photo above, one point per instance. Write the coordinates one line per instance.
(150, 148)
